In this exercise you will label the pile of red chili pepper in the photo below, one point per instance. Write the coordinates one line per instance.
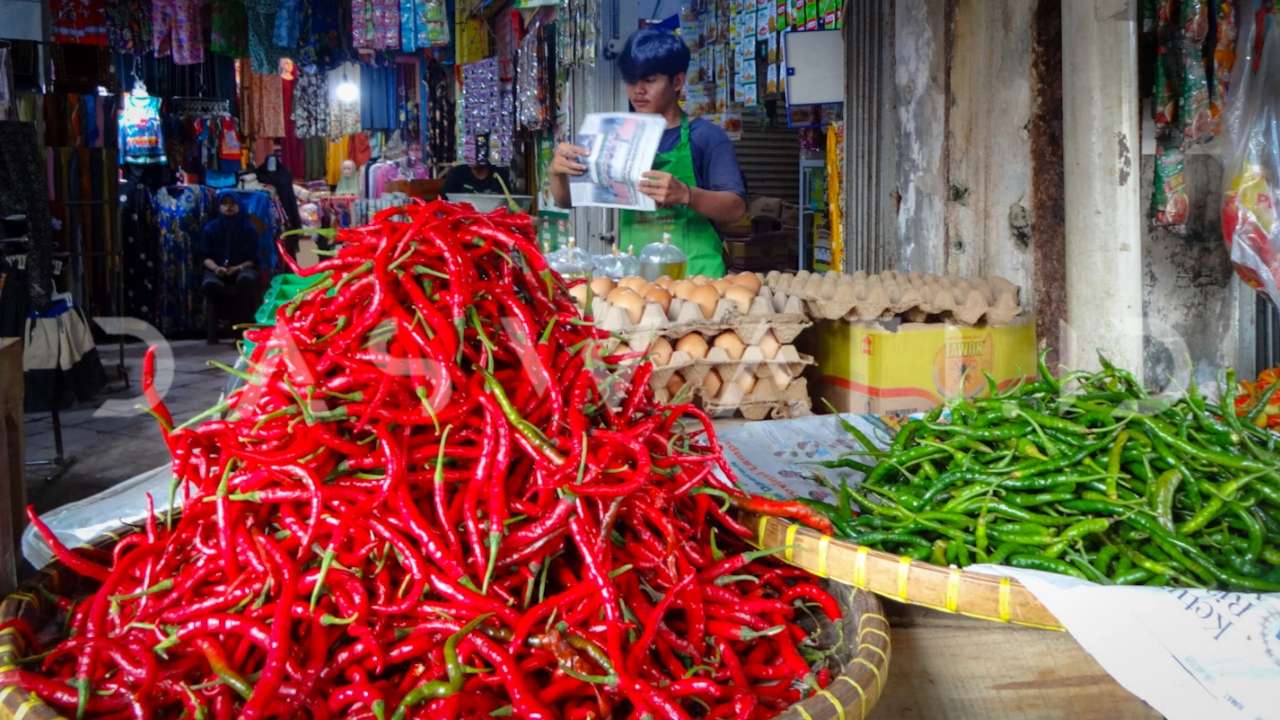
(432, 498)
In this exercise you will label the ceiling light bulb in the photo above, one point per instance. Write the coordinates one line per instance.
(347, 92)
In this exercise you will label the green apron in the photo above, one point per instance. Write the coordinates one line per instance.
(690, 232)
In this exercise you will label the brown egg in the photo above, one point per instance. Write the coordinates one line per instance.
(693, 344)
(602, 286)
(745, 382)
(630, 302)
(634, 283)
(722, 284)
(579, 294)
(705, 298)
(683, 289)
(770, 346)
(660, 352)
(740, 297)
(730, 343)
(664, 282)
(711, 384)
(656, 294)
(675, 384)
(748, 280)
(700, 279)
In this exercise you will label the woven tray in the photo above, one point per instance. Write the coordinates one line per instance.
(948, 589)
(864, 662)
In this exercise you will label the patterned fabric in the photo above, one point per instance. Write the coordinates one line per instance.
(375, 24)
(180, 212)
(311, 106)
(344, 117)
(19, 163)
(129, 26)
(230, 34)
(288, 24)
(82, 22)
(176, 30)
(264, 54)
(140, 136)
(265, 100)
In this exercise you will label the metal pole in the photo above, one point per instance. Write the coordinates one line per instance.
(1103, 183)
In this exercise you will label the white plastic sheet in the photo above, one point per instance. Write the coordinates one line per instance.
(1191, 654)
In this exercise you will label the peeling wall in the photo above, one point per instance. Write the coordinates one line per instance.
(920, 83)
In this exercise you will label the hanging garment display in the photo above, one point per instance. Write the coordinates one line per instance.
(335, 155)
(379, 106)
(314, 151)
(375, 24)
(230, 32)
(291, 144)
(60, 361)
(311, 105)
(140, 248)
(321, 40)
(264, 54)
(19, 163)
(82, 22)
(176, 30)
(288, 24)
(140, 137)
(129, 25)
(344, 109)
(180, 211)
(264, 100)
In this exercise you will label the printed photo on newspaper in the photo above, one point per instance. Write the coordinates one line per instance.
(623, 146)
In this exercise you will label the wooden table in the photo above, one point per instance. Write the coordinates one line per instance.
(13, 494)
(954, 667)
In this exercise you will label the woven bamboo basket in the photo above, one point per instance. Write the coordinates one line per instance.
(900, 578)
(862, 661)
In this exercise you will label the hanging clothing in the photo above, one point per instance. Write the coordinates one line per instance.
(180, 212)
(360, 149)
(80, 22)
(140, 137)
(230, 148)
(375, 24)
(311, 106)
(288, 24)
(264, 54)
(335, 154)
(344, 117)
(176, 30)
(230, 32)
(129, 25)
(291, 145)
(322, 41)
(264, 95)
(314, 155)
(379, 109)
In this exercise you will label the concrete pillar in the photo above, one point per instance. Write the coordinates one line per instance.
(1103, 188)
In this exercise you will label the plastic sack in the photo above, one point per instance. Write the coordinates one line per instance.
(81, 522)
(1251, 169)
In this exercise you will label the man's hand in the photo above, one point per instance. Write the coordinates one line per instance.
(221, 271)
(566, 162)
(665, 189)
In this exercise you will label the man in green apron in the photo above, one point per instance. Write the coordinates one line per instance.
(695, 178)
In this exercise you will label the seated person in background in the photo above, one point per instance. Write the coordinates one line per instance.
(481, 178)
(228, 252)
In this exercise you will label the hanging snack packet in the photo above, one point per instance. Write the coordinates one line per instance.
(1170, 206)
(1194, 114)
(1195, 23)
(1164, 105)
(1224, 55)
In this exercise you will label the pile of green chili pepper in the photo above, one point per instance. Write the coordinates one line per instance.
(1086, 475)
(432, 497)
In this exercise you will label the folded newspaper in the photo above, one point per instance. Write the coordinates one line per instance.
(1188, 653)
(622, 147)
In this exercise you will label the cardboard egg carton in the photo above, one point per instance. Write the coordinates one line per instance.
(766, 399)
(913, 297)
(770, 310)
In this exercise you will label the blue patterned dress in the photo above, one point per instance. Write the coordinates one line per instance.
(180, 212)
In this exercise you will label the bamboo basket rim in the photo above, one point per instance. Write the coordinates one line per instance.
(897, 577)
(851, 695)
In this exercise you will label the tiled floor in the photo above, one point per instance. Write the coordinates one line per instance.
(103, 449)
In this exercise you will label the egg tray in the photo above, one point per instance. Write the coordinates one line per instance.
(785, 366)
(912, 297)
(767, 400)
(780, 313)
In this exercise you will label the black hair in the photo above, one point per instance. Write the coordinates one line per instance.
(652, 52)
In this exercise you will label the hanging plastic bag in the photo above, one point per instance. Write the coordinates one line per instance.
(1252, 164)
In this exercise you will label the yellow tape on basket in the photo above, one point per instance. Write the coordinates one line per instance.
(824, 544)
(789, 543)
(1004, 600)
(953, 589)
(835, 702)
(862, 694)
(860, 567)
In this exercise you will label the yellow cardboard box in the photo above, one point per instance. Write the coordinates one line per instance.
(878, 368)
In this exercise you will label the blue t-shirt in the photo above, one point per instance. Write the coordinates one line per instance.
(715, 164)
